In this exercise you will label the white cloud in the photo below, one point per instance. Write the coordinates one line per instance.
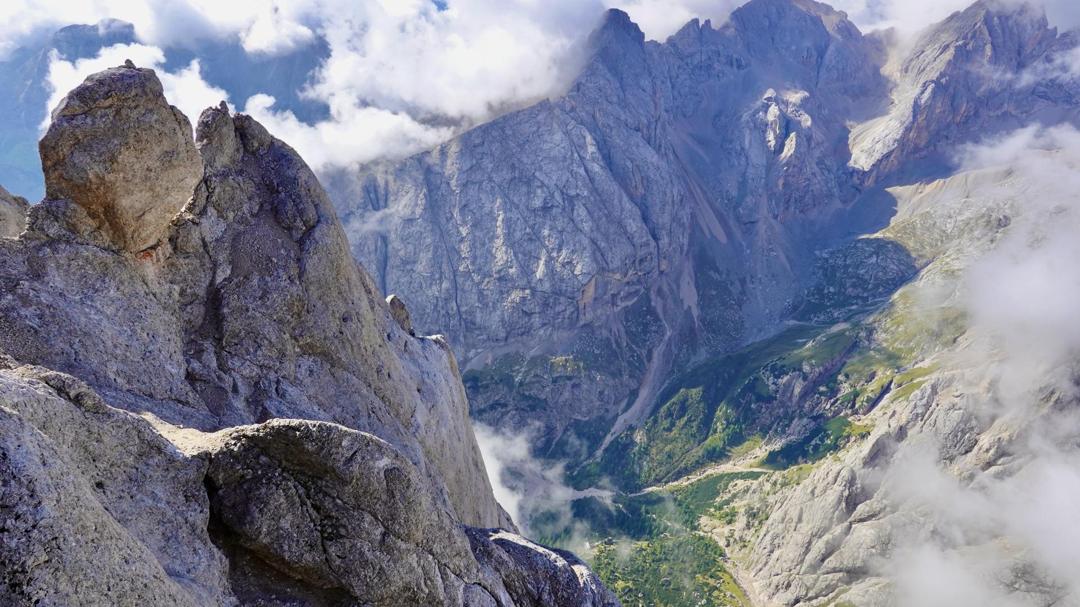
(352, 135)
(976, 536)
(401, 75)
(271, 33)
(659, 19)
(531, 489)
(499, 453)
(185, 89)
(1025, 291)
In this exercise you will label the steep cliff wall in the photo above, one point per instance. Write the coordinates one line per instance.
(207, 401)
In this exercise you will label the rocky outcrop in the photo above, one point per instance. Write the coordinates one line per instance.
(400, 313)
(13, 211)
(342, 513)
(985, 70)
(534, 575)
(117, 149)
(97, 508)
(255, 426)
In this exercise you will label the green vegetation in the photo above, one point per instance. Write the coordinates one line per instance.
(649, 551)
(671, 571)
(824, 439)
(911, 329)
(566, 365)
(713, 411)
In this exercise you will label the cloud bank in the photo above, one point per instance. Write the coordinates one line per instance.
(401, 75)
(1007, 533)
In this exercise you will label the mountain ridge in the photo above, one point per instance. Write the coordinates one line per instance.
(255, 424)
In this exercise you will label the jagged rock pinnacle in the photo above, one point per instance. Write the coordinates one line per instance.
(117, 149)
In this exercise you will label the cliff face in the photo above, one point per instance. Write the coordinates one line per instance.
(675, 202)
(665, 205)
(205, 400)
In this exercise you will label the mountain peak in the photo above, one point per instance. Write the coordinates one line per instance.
(616, 28)
(773, 12)
(792, 26)
(999, 33)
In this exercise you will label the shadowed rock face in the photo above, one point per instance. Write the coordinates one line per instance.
(140, 388)
(337, 510)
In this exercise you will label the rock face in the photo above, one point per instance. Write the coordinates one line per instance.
(666, 205)
(175, 362)
(13, 211)
(117, 149)
(674, 202)
(98, 508)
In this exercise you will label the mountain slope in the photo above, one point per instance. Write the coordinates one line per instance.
(692, 277)
(206, 401)
(666, 205)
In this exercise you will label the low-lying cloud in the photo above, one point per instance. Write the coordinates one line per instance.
(532, 490)
(1007, 534)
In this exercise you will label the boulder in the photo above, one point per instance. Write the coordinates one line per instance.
(119, 150)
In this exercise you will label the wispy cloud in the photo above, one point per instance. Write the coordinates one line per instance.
(531, 489)
(1006, 532)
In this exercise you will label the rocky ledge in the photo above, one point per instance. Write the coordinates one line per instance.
(205, 401)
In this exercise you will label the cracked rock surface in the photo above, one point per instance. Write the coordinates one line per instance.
(204, 400)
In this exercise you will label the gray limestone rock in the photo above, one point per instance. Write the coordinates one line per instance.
(338, 512)
(97, 508)
(116, 148)
(537, 576)
(13, 210)
(117, 369)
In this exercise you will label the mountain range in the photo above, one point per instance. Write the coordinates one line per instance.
(771, 298)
